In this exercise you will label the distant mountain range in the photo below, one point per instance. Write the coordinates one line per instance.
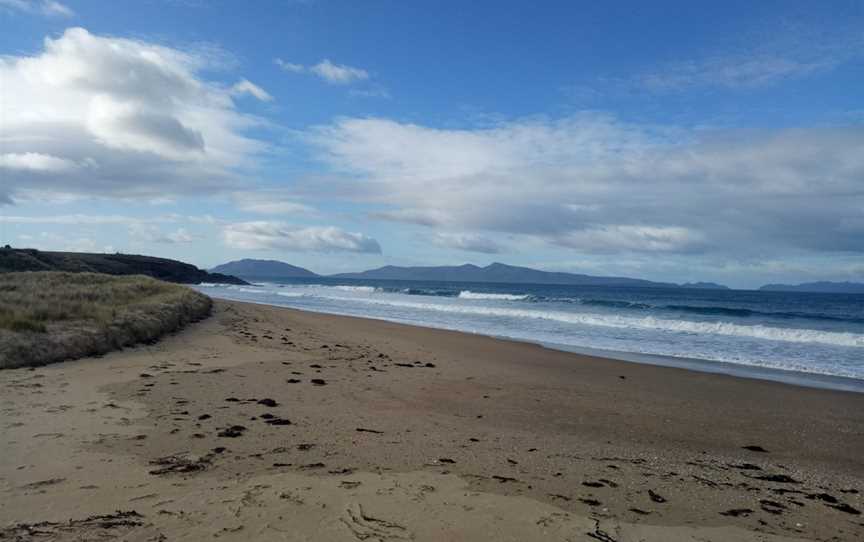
(251, 269)
(263, 269)
(28, 259)
(819, 287)
(496, 272)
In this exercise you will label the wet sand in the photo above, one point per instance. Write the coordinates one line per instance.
(278, 424)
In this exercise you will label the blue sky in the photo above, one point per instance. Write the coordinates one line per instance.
(666, 140)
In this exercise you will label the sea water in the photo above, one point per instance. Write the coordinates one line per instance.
(812, 339)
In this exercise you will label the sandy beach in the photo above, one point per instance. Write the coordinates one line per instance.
(266, 423)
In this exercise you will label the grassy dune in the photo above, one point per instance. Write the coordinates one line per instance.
(49, 316)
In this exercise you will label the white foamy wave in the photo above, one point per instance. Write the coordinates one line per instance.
(650, 323)
(468, 294)
(291, 294)
(247, 290)
(208, 284)
(361, 289)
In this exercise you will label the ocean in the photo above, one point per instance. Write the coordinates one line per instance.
(802, 338)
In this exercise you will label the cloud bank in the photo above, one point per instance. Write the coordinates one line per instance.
(597, 185)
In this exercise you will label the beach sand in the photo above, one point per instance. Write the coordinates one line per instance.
(263, 423)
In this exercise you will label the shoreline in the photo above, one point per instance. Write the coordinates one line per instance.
(266, 420)
(739, 370)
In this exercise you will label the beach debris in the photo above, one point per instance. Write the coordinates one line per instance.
(268, 402)
(503, 479)
(293, 381)
(100, 527)
(737, 512)
(772, 507)
(43, 483)
(592, 484)
(446, 460)
(365, 430)
(843, 507)
(179, 463)
(639, 511)
(591, 502)
(745, 466)
(267, 416)
(313, 466)
(232, 432)
(278, 421)
(559, 496)
(348, 484)
(656, 497)
(305, 446)
(779, 478)
(318, 381)
(824, 497)
(755, 448)
(232, 400)
(219, 449)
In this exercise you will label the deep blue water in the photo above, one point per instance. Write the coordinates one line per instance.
(717, 330)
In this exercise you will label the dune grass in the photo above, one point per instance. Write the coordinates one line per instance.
(47, 316)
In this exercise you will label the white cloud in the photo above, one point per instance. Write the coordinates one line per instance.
(289, 66)
(733, 72)
(596, 184)
(136, 119)
(247, 87)
(467, 241)
(267, 235)
(271, 202)
(619, 238)
(50, 8)
(152, 234)
(34, 161)
(336, 74)
(53, 241)
(790, 52)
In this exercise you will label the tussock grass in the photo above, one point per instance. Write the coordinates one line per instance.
(49, 316)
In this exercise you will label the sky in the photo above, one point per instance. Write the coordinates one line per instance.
(667, 140)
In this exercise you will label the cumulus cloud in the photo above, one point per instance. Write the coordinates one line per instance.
(118, 117)
(467, 241)
(336, 74)
(271, 235)
(50, 8)
(596, 184)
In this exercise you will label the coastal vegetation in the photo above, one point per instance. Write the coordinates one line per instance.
(28, 259)
(51, 316)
